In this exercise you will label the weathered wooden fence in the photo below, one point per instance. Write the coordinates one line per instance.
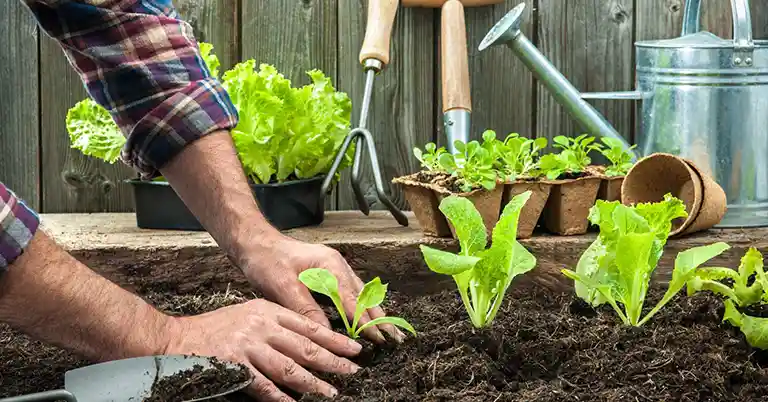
(590, 41)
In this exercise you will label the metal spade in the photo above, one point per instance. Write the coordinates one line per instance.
(123, 380)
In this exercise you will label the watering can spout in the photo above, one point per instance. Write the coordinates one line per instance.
(507, 32)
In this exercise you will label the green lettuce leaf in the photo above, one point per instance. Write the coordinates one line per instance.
(210, 59)
(755, 329)
(93, 132)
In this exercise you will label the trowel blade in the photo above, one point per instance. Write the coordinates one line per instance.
(131, 379)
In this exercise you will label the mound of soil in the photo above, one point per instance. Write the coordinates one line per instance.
(547, 347)
(198, 382)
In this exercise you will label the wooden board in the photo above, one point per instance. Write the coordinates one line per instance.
(591, 43)
(664, 19)
(215, 22)
(19, 95)
(72, 182)
(295, 37)
(402, 109)
(502, 87)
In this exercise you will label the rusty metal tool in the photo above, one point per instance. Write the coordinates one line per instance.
(457, 101)
(374, 57)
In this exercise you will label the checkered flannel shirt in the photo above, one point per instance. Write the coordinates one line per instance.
(141, 62)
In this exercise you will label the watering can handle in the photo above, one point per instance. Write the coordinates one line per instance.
(48, 396)
(742, 22)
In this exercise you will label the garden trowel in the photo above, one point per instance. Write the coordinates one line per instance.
(123, 380)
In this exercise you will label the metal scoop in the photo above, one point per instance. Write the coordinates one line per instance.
(122, 380)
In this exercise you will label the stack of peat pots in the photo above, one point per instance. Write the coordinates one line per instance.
(561, 206)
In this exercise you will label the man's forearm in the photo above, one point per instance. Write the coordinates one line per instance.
(210, 180)
(51, 296)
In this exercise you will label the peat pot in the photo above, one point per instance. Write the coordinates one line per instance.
(286, 205)
(703, 98)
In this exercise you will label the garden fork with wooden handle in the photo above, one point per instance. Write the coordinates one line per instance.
(374, 56)
(457, 99)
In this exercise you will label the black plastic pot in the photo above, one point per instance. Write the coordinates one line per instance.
(286, 205)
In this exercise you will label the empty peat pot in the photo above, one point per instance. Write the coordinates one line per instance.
(287, 205)
(658, 174)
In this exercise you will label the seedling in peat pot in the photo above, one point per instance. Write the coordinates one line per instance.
(740, 294)
(620, 158)
(517, 156)
(430, 157)
(617, 267)
(573, 159)
(472, 164)
(482, 275)
(322, 281)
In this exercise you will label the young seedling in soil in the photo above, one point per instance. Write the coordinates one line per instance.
(430, 157)
(473, 165)
(620, 158)
(198, 382)
(482, 275)
(618, 265)
(324, 282)
(572, 160)
(517, 157)
(740, 294)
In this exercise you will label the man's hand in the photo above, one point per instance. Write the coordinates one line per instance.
(277, 276)
(273, 342)
(208, 176)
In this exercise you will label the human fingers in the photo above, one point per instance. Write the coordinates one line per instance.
(324, 337)
(262, 389)
(281, 369)
(307, 353)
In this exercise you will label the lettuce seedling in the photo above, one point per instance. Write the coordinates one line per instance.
(742, 293)
(430, 157)
(618, 265)
(620, 158)
(482, 275)
(372, 295)
(472, 164)
(518, 156)
(572, 159)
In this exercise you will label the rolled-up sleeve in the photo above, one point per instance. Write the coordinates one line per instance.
(18, 224)
(141, 62)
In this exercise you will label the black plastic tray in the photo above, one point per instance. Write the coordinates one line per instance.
(286, 205)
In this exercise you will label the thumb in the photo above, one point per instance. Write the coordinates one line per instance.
(301, 302)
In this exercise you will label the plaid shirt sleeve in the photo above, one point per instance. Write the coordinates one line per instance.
(18, 224)
(141, 62)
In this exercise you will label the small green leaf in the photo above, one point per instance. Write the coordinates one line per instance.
(397, 321)
(371, 296)
(468, 223)
(443, 262)
(755, 329)
(322, 281)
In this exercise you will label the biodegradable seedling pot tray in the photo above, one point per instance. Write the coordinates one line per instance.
(286, 205)
(531, 212)
(567, 210)
(610, 186)
(424, 203)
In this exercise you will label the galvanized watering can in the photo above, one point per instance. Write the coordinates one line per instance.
(703, 98)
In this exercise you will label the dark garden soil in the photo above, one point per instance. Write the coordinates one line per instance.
(198, 382)
(543, 347)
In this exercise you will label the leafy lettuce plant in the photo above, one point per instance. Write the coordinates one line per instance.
(572, 159)
(430, 157)
(741, 293)
(518, 156)
(372, 295)
(617, 267)
(286, 133)
(620, 158)
(472, 164)
(482, 274)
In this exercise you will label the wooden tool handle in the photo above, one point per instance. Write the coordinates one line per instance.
(378, 33)
(455, 61)
(439, 3)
